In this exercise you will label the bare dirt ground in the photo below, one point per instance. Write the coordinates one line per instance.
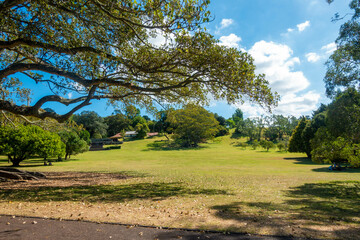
(68, 204)
(65, 179)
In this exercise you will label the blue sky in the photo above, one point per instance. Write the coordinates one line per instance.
(290, 40)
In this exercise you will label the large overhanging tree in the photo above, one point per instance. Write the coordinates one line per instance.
(343, 66)
(101, 49)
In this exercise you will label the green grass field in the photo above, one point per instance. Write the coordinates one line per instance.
(218, 186)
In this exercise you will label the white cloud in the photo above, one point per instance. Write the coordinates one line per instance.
(323, 54)
(231, 40)
(312, 57)
(297, 105)
(302, 26)
(277, 63)
(329, 48)
(290, 30)
(226, 23)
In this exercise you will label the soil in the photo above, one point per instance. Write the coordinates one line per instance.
(65, 179)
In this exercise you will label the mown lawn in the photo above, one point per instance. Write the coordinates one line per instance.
(218, 186)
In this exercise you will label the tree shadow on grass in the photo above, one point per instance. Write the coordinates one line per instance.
(319, 208)
(345, 169)
(166, 146)
(302, 160)
(105, 193)
(38, 162)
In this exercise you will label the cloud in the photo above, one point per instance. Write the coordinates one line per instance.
(323, 53)
(276, 61)
(329, 48)
(231, 40)
(312, 57)
(302, 26)
(226, 23)
(290, 30)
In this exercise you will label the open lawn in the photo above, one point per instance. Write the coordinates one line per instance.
(218, 186)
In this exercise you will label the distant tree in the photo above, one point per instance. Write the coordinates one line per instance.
(297, 143)
(74, 143)
(92, 122)
(310, 129)
(220, 119)
(222, 131)
(280, 146)
(140, 126)
(116, 123)
(230, 123)
(238, 116)
(192, 125)
(267, 144)
(255, 144)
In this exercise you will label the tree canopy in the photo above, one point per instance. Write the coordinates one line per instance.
(343, 65)
(193, 125)
(104, 50)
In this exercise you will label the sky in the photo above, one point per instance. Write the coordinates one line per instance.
(290, 41)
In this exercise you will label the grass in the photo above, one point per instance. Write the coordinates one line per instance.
(219, 186)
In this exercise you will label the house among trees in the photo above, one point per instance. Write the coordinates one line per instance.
(152, 134)
(117, 136)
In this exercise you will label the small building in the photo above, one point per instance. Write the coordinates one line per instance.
(152, 134)
(117, 136)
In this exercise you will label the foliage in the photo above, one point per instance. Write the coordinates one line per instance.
(297, 143)
(92, 122)
(238, 116)
(255, 144)
(220, 119)
(267, 144)
(74, 142)
(343, 65)
(329, 149)
(116, 123)
(47, 144)
(343, 118)
(193, 125)
(338, 137)
(281, 146)
(310, 129)
(222, 131)
(104, 50)
(24, 141)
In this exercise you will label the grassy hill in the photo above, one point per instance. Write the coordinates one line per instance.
(218, 186)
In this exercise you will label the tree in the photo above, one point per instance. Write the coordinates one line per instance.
(267, 144)
(140, 126)
(238, 116)
(24, 141)
(343, 65)
(343, 117)
(297, 143)
(220, 119)
(74, 143)
(47, 144)
(92, 122)
(104, 50)
(116, 123)
(310, 129)
(193, 125)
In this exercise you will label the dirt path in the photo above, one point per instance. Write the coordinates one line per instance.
(27, 228)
